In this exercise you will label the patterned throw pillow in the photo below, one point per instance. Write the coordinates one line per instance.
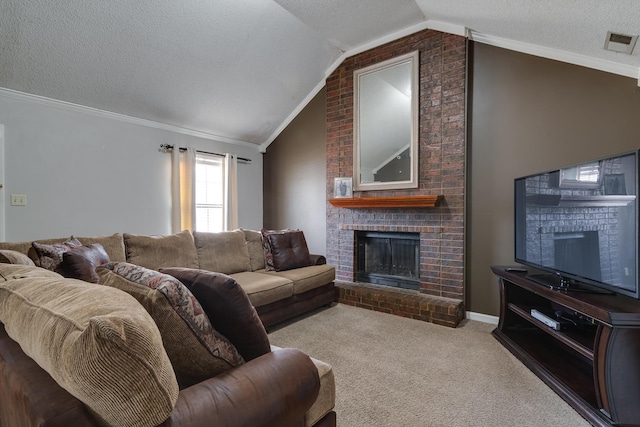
(50, 256)
(196, 350)
(228, 307)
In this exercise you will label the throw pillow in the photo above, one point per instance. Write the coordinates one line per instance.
(50, 256)
(287, 249)
(266, 246)
(81, 262)
(98, 343)
(175, 250)
(196, 350)
(14, 257)
(228, 307)
(225, 252)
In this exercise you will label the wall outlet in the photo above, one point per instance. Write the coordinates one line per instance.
(18, 200)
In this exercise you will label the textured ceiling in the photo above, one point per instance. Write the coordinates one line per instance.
(239, 69)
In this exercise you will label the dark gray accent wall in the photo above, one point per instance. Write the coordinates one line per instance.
(295, 174)
(526, 115)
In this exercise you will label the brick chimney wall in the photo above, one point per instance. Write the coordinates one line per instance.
(441, 162)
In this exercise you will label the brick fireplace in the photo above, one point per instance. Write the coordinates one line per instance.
(441, 172)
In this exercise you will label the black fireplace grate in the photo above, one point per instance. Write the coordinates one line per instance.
(389, 259)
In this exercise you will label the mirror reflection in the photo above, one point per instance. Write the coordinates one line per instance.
(385, 124)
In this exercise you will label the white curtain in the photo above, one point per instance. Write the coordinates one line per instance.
(230, 192)
(183, 172)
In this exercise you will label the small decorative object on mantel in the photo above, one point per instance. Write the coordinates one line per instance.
(386, 202)
(342, 187)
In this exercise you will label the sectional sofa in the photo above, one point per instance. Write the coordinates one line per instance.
(304, 283)
(74, 352)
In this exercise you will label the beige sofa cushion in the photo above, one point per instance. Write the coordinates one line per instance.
(326, 400)
(113, 245)
(225, 252)
(306, 278)
(19, 271)
(263, 288)
(253, 238)
(8, 256)
(196, 350)
(97, 342)
(175, 250)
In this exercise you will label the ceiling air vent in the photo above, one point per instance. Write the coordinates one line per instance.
(622, 43)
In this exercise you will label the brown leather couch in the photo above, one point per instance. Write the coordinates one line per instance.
(281, 388)
(275, 389)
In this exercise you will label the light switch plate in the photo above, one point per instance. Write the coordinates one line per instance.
(18, 200)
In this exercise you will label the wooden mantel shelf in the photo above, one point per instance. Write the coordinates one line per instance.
(386, 202)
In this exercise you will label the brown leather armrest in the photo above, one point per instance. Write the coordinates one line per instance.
(275, 389)
(317, 259)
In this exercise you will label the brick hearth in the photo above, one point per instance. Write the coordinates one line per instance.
(402, 302)
(441, 172)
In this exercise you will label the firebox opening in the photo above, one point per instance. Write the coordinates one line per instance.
(389, 259)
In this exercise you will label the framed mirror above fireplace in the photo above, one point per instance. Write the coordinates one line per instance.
(386, 125)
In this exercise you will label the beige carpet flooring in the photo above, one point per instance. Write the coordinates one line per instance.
(396, 372)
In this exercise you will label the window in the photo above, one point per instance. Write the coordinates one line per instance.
(586, 175)
(209, 193)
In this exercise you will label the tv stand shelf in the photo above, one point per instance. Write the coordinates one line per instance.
(594, 365)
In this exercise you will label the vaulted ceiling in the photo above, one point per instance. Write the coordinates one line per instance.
(240, 70)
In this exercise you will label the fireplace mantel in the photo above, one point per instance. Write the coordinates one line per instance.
(386, 202)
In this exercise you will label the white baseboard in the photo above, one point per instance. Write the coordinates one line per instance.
(480, 317)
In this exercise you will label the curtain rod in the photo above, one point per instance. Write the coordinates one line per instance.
(165, 148)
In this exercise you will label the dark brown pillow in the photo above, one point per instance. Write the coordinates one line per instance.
(228, 308)
(288, 249)
(81, 262)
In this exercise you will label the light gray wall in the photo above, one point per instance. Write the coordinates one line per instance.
(87, 174)
(295, 174)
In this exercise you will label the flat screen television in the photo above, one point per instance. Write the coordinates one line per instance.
(579, 225)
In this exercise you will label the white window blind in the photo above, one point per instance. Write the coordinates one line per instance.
(209, 193)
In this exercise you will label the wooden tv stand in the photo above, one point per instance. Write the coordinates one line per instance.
(594, 366)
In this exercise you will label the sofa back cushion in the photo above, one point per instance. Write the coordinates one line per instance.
(175, 250)
(225, 252)
(97, 342)
(196, 350)
(253, 238)
(228, 307)
(8, 256)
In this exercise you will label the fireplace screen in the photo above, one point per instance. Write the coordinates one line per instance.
(390, 259)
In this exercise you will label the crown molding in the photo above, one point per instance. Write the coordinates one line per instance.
(263, 147)
(443, 27)
(558, 55)
(69, 106)
(424, 25)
